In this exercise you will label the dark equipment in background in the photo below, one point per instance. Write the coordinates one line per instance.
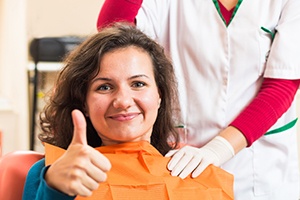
(47, 49)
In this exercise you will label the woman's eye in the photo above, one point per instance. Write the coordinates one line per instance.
(139, 84)
(104, 87)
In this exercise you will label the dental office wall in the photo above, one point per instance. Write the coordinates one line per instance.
(20, 22)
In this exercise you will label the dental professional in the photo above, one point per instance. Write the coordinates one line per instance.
(238, 68)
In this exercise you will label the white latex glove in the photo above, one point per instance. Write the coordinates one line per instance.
(194, 160)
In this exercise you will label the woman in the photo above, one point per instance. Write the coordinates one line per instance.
(237, 64)
(118, 89)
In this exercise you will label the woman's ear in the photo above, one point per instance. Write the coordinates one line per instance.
(85, 111)
(159, 101)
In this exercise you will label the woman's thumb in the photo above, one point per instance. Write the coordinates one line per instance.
(79, 135)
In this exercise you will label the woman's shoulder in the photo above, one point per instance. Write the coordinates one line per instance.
(33, 179)
(34, 173)
(37, 166)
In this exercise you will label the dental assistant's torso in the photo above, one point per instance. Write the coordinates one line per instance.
(220, 69)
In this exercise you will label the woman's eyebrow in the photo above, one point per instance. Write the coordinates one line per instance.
(139, 76)
(101, 79)
(109, 79)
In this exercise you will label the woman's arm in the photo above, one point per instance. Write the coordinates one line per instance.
(77, 172)
(272, 101)
(36, 187)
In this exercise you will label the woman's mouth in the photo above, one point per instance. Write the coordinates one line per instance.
(124, 117)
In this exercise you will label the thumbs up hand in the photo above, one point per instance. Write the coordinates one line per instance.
(81, 168)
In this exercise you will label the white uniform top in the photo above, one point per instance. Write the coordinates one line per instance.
(220, 70)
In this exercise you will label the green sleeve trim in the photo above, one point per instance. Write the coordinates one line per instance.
(180, 126)
(283, 128)
(277, 130)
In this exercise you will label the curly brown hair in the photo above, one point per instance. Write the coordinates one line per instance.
(82, 65)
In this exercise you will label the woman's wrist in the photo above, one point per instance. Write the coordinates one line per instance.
(234, 137)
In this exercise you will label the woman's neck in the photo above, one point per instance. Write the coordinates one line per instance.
(228, 4)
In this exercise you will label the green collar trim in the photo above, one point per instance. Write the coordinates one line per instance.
(233, 14)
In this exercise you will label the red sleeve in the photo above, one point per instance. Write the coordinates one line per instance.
(118, 10)
(273, 100)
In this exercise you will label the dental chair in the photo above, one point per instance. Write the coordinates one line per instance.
(14, 167)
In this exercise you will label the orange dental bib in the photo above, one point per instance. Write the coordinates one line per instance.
(139, 173)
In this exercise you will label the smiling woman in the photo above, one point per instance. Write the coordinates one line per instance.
(123, 99)
(109, 120)
(118, 66)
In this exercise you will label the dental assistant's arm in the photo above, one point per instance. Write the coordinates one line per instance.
(118, 10)
(273, 99)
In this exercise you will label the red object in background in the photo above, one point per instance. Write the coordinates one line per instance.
(0, 143)
(14, 167)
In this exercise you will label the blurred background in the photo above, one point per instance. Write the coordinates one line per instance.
(20, 22)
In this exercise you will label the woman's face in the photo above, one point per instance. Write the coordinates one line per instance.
(123, 100)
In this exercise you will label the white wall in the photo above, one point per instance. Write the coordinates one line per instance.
(62, 17)
(13, 75)
(20, 21)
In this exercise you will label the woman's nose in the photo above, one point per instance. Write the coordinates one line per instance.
(123, 99)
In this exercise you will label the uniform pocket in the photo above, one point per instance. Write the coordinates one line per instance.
(265, 41)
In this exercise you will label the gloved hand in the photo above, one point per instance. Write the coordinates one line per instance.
(194, 160)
